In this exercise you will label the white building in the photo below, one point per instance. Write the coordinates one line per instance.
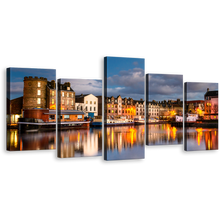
(140, 107)
(87, 103)
(153, 109)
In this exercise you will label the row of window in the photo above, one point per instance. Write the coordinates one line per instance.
(91, 102)
(67, 102)
(39, 92)
(39, 101)
(68, 94)
(115, 111)
(119, 101)
(81, 108)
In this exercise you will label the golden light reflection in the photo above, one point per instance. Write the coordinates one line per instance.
(174, 133)
(78, 137)
(112, 136)
(199, 135)
(171, 133)
(209, 145)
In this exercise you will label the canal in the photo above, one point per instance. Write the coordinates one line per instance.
(121, 142)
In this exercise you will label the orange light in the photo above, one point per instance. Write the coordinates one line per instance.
(53, 107)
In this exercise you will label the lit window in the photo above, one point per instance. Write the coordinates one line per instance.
(67, 95)
(68, 88)
(38, 92)
(72, 102)
(86, 102)
(67, 102)
(112, 111)
(52, 101)
(38, 84)
(109, 106)
(63, 101)
(52, 93)
(72, 95)
(38, 101)
(90, 102)
(94, 102)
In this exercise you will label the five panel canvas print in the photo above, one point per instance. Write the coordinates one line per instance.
(32, 116)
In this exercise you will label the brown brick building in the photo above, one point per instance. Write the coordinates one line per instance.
(35, 92)
(40, 93)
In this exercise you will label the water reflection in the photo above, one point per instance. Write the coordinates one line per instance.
(30, 141)
(80, 143)
(120, 142)
(124, 142)
(201, 139)
(164, 134)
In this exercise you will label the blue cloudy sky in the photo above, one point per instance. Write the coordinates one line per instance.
(80, 86)
(17, 76)
(85, 86)
(125, 77)
(196, 90)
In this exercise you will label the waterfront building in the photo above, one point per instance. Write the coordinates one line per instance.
(14, 108)
(153, 109)
(66, 96)
(194, 106)
(40, 93)
(88, 103)
(211, 105)
(35, 92)
(165, 109)
(99, 105)
(140, 107)
(120, 107)
(46, 115)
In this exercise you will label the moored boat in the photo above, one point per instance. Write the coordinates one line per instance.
(33, 125)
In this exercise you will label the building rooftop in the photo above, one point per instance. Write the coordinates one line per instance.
(82, 95)
(63, 87)
(211, 93)
(195, 101)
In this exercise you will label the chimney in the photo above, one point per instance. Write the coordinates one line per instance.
(207, 89)
(53, 84)
(67, 84)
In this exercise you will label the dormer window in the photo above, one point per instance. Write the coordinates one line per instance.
(68, 88)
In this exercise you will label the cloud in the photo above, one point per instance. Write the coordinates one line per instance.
(85, 86)
(128, 83)
(18, 74)
(165, 87)
(16, 86)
